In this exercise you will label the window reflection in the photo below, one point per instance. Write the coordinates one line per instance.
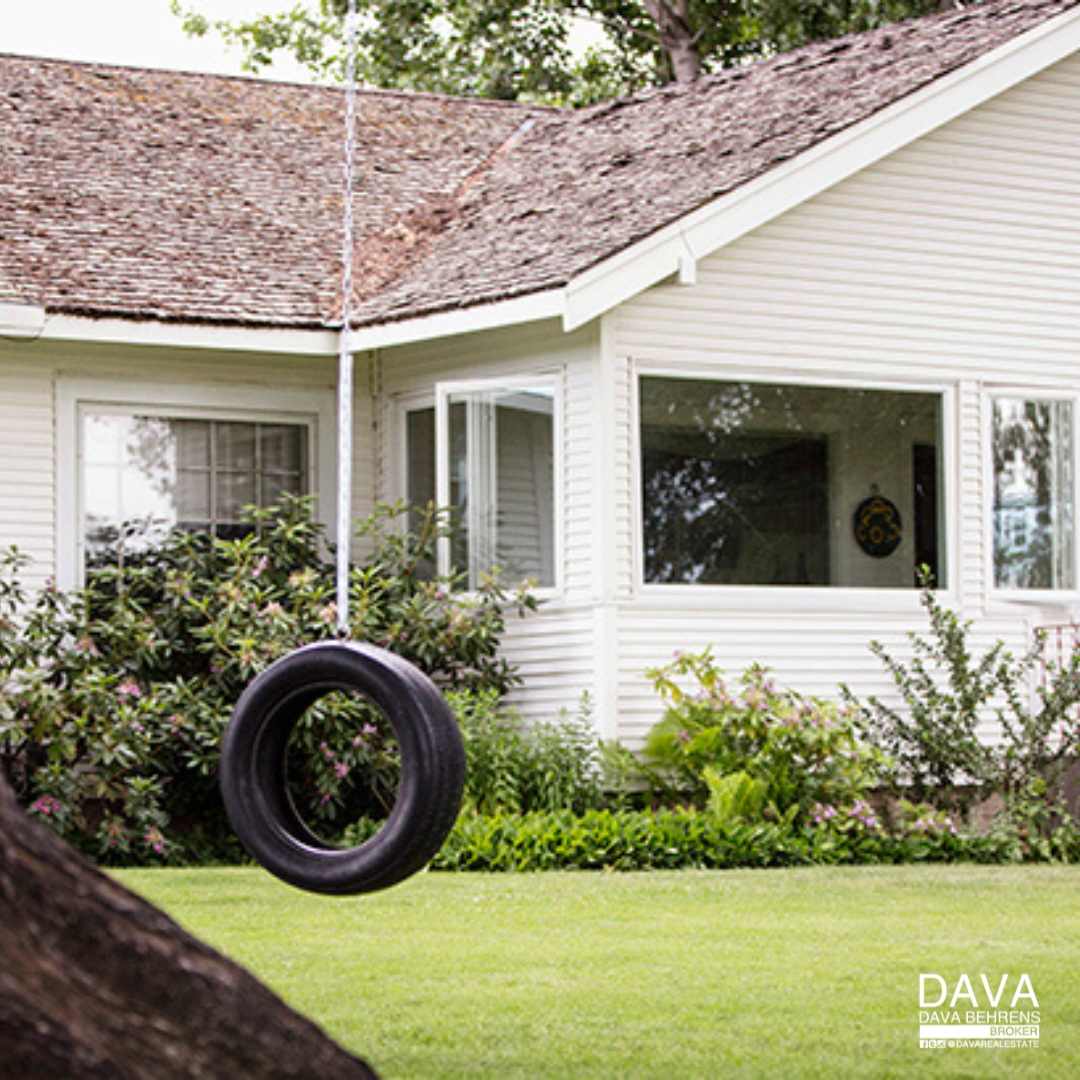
(1033, 494)
(758, 484)
(144, 476)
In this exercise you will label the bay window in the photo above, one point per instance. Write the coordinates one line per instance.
(750, 483)
(1033, 450)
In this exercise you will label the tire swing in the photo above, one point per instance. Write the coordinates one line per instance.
(254, 757)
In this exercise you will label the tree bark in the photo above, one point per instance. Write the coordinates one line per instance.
(677, 37)
(95, 982)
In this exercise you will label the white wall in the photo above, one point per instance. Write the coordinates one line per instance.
(35, 376)
(953, 264)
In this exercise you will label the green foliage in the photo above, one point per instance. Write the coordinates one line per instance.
(499, 49)
(547, 766)
(735, 797)
(947, 693)
(691, 839)
(798, 751)
(609, 840)
(113, 700)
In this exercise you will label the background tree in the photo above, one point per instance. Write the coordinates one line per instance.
(536, 49)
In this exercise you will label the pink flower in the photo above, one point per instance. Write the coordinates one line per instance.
(129, 689)
(47, 806)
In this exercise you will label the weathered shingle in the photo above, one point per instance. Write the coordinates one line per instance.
(206, 199)
(161, 195)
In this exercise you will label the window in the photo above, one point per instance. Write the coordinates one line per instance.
(144, 476)
(136, 459)
(487, 453)
(1033, 456)
(768, 484)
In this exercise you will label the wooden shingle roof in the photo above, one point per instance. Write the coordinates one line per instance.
(203, 199)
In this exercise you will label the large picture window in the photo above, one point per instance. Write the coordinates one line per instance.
(769, 484)
(487, 454)
(1033, 511)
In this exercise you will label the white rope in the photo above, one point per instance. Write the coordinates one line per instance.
(345, 355)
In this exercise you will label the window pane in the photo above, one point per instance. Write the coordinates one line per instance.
(763, 484)
(1033, 494)
(193, 507)
(280, 449)
(234, 491)
(128, 483)
(235, 447)
(143, 476)
(525, 479)
(420, 462)
(192, 443)
(463, 511)
(500, 463)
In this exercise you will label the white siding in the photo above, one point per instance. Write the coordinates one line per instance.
(555, 649)
(954, 263)
(32, 376)
(27, 505)
(554, 652)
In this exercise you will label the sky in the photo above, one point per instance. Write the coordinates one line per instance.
(137, 33)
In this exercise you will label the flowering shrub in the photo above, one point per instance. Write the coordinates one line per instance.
(802, 752)
(113, 699)
(947, 691)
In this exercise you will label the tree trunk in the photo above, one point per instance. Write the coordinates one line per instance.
(677, 37)
(95, 982)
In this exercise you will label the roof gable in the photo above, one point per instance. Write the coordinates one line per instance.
(199, 199)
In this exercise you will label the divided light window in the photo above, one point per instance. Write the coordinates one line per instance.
(143, 476)
(1034, 494)
(487, 454)
(769, 484)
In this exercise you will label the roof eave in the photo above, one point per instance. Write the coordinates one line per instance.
(535, 307)
(185, 335)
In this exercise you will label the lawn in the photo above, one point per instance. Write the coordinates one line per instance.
(786, 973)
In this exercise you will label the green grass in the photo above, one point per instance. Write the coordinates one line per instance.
(785, 973)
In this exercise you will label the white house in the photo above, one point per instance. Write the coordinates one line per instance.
(719, 364)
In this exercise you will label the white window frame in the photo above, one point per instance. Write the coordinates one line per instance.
(799, 597)
(312, 409)
(439, 399)
(1003, 595)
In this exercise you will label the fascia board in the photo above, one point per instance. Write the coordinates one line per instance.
(70, 328)
(753, 204)
(550, 304)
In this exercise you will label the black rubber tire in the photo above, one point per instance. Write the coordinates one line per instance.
(253, 768)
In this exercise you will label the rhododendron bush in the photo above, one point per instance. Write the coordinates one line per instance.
(113, 698)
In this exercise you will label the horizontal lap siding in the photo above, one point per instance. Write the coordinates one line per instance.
(807, 652)
(27, 504)
(955, 263)
(30, 374)
(554, 652)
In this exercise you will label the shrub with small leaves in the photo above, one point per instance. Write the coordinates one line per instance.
(948, 695)
(549, 765)
(113, 700)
